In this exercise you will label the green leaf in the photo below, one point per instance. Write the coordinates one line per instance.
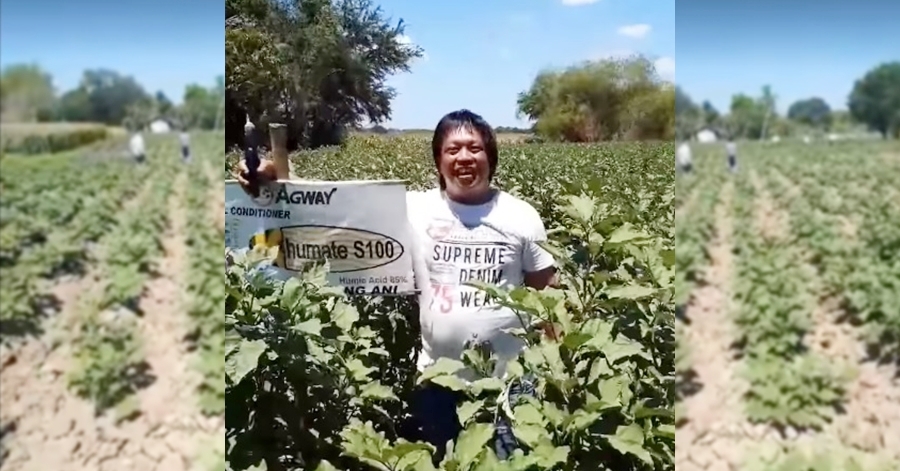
(377, 391)
(623, 348)
(291, 293)
(344, 316)
(451, 382)
(487, 384)
(467, 410)
(471, 441)
(580, 208)
(629, 440)
(626, 233)
(531, 435)
(443, 366)
(630, 292)
(244, 359)
(325, 466)
(309, 327)
(528, 414)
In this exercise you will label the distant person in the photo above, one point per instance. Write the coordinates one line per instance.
(683, 157)
(731, 150)
(136, 144)
(185, 140)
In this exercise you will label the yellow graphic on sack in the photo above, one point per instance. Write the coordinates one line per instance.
(270, 239)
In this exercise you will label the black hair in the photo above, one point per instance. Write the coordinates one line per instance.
(469, 120)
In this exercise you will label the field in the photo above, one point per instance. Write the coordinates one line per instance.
(314, 377)
(111, 309)
(788, 295)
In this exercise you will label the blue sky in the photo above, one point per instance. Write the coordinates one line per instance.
(163, 44)
(482, 53)
(801, 49)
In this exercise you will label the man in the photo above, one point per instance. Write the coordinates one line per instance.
(683, 157)
(465, 230)
(185, 140)
(136, 145)
(731, 150)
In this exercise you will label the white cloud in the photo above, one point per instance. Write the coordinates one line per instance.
(665, 67)
(637, 31)
(575, 3)
(407, 41)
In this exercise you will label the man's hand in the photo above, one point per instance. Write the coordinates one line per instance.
(265, 173)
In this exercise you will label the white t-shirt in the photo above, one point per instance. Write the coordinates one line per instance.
(185, 139)
(453, 243)
(136, 144)
(683, 154)
(731, 148)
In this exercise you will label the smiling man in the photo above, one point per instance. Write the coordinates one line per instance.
(467, 230)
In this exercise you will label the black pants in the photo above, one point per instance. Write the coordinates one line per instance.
(434, 416)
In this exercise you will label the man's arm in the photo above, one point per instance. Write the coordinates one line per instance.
(541, 279)
(537, 263)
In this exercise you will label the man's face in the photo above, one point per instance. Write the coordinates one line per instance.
(464, 166)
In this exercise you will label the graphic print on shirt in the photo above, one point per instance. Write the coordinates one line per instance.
(459, 255)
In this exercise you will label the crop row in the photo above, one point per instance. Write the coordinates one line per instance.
(109, 365)
(50, 222)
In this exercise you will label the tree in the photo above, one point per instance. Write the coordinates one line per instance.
(746, 117)
(75, 105)
(767, 101)
(102, 96)
(26, 92)
(688, 116)
(683, 102)
(164, 105)
(875, 99)
(318, 65)
(601, 100)
(201, 106)
(811, 111)
(711, 115)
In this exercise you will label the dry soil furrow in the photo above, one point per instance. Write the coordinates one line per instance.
(770, 222)
(714, 435)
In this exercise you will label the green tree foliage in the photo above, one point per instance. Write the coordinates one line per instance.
(105, 96)
(108, 94)
(318, 65)
(874, 102)
(203, 106)
(750, 116)
(688, 116)
(26, 93)
(875, 99)
(811, 111)
(600, 101)
(711, 116)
